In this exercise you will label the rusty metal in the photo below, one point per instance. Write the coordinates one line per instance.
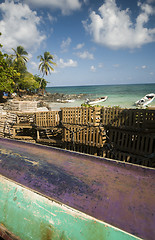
(118, 193)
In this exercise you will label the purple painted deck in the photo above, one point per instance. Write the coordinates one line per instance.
(118, 193)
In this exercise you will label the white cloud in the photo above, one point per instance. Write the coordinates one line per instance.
(69, 63)
(151, 1)
(65, 44)
(79, 46)
(51, 18)
(151, 73)
(92, 69)
(86, 1)
(19, 26)
(34, 65)
(113, 27)
(141, 67)
(85, 55)
(66, 6)
(144, 67)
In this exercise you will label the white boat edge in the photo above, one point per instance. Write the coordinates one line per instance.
(96, 101)
(143, 102)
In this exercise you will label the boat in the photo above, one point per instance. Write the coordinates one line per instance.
(96, 101)
(66, 100)
(147, 99)
(51, 193)
(70, 100)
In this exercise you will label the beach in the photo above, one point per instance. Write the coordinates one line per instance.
(118, 95)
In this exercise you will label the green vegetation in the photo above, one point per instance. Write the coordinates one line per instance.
(88, 105)
(85, 105)
(42, 83)
(19, 56)
(117, 106)
(14, 76)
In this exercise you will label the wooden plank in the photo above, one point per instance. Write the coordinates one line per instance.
(97, 137)
(81, 135)
(23, 137)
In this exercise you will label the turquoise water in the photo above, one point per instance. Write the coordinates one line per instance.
(118, 95)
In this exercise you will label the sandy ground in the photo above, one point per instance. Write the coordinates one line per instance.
(57, 106)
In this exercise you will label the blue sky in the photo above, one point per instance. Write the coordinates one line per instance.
(94, 42)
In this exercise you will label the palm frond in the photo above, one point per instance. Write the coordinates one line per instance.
(45, 63)
(52, 62)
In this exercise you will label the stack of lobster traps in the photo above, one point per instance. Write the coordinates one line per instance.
(121, 134)
(131, 134)
(82, 131)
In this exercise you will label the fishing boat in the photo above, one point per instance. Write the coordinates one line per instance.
(146, 100)
(51, 193)
(66, 100)
(96, 101)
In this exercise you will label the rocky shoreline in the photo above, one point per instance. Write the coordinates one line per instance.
(43, 100)
(49, 97)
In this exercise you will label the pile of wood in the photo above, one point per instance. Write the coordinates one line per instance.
(21, 106)
(122, 134)
(7, 121)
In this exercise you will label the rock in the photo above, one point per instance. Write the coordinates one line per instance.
(43, 100)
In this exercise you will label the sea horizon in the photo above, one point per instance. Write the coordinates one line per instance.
(100, 85)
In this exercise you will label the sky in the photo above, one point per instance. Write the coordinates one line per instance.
(93, 42)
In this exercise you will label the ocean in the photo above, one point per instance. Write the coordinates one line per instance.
(118, 95)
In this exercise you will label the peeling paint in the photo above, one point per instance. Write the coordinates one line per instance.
(45, 210)
(120, 194)
(65, 225)
(11, 153)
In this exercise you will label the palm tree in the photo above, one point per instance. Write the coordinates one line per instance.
(45, 64)
(19, 59)
(19, 55)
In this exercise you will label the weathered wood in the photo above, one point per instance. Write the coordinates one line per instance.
(23, 137)
(41, 140)
(81, 116)
(128, 118)
(96, 186)
(130, 131)
(6, 234)
(47, 119)
(25, 118)
(38, 217)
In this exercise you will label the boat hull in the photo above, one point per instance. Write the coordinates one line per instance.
(93, 102)
(146, 100)
(29, 215)
(114, 192)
